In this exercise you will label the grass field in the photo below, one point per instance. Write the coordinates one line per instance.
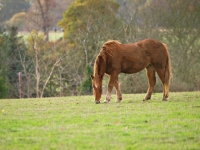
(53, 36)
(76, 123)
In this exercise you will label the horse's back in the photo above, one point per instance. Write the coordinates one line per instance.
(156, 51)
(134, 57)
(150, 45)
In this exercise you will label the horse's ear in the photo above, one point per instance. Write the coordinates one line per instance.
(139, 44)
(92, 77)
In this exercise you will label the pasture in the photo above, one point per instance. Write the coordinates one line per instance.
(53, 36)
(76, 123)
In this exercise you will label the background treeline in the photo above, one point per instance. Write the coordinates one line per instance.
(32, 65)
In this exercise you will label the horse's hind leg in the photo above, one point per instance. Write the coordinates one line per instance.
(150, 72)
(119, 94)
(161, 74)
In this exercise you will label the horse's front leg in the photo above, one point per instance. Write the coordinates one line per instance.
(113, 81)
(109, 89)
(108, 93)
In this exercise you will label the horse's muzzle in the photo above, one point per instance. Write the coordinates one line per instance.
(97, 102)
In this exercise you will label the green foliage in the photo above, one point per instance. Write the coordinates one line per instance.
(182, 36)
(3, 88)
(10, 62)
(86, 85)
(87, 25)
(135, 83)
(46, 55)
(76, 123)
(91, 16)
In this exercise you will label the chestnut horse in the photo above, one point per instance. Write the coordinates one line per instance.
(115, 58)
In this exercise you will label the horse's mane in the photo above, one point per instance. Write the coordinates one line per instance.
(108, 46)
(99, 65)
(112, 42)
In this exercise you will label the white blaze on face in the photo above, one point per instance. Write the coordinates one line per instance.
(96, 86)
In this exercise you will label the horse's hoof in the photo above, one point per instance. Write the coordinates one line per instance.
(97, 102)
(106, 101)
(144, 100)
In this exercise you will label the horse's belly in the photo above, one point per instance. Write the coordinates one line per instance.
(130, 70)
(133, 67)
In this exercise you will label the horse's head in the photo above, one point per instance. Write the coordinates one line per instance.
(97, 87)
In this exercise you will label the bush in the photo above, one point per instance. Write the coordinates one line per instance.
(86, 86)
(3, 89)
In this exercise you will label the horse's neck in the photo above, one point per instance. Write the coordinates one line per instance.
(100, 66)
(99, 72)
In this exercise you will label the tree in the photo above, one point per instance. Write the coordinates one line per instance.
(9, 59)
(173, 22)
(17, 20)
(87, 25)
(39, 16)
(44, 14)
(182, 25)
(46, 59)
(3, 88)
(86, 85)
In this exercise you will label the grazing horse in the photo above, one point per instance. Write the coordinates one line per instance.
(115, 58)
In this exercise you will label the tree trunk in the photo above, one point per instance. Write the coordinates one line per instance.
(37, 72)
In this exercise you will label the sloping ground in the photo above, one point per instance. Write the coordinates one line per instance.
(77, 123)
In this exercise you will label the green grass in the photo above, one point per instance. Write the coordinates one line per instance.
(75, 123)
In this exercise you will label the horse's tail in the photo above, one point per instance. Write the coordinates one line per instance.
(168, 72)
